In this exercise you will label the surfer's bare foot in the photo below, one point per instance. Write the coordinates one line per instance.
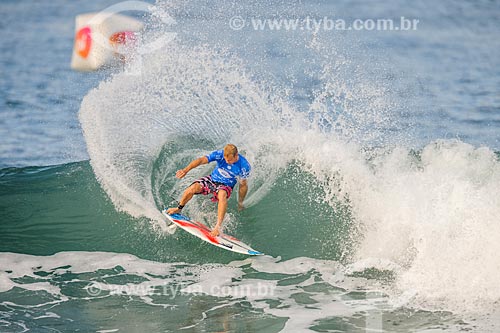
(174, 210)
(215, 232)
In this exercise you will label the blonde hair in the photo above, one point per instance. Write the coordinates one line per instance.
(230, 149)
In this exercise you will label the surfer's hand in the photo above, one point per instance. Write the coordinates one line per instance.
(174, 210)
(180, 173)
(240, 206)
(215, 232)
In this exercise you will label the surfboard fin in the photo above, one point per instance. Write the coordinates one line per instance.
(172, 228)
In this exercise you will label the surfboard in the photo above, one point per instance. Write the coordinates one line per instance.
(201, 231)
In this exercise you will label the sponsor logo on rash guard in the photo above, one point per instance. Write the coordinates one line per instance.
(224, 173)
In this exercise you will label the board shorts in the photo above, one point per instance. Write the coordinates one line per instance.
(208, 186)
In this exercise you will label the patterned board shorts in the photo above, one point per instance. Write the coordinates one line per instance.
(211, 187)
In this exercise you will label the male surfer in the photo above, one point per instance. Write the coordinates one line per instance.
(231, 168)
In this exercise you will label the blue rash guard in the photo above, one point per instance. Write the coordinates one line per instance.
(228, 174)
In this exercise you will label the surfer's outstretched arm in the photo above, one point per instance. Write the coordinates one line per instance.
(242, 193)
(194, 164)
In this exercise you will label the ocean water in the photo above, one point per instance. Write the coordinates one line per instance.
(375, 191)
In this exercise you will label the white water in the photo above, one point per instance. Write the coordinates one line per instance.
(436, 219)
(307, 290)
(180, 280)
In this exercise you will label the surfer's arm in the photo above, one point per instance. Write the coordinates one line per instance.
(194, 163)
(242, 193)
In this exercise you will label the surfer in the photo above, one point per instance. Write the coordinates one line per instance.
(231, 168)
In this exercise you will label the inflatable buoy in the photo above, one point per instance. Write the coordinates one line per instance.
(102, 38)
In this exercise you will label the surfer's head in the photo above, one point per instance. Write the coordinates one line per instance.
(230, 153)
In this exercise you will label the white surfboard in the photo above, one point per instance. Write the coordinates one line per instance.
(201, 231)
